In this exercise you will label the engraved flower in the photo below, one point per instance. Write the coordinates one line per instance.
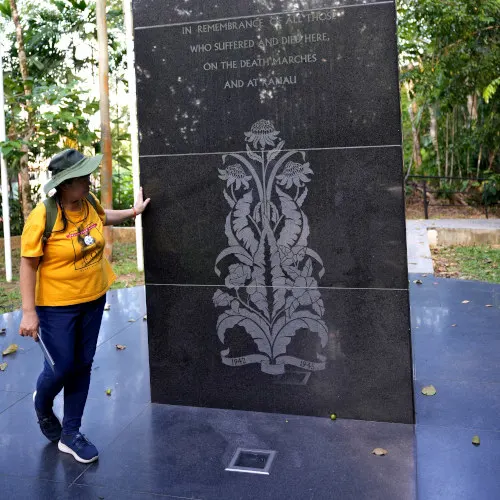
(262, 133)
(235, 174)
(294, 173)
(238, 275)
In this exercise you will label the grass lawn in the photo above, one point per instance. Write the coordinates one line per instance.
(124, 265)
(481, 263)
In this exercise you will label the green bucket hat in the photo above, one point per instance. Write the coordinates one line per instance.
(70, 164)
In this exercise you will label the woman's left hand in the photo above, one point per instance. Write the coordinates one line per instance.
(141, 203)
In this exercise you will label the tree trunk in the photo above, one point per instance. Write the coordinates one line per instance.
(434, 137)
(491, 159)
(479, 160)
(24, 167)
(413, 111)
(446, 148)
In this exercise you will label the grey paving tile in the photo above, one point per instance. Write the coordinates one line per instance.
(451, 467)
(10, 398)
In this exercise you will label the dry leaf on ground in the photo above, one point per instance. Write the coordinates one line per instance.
(476, 441)
(108, 392)
(429, 390)
(131, 320)
(3, 366)
(418, 282)
(107, 307)
(145, 317)
(465, 301)
(380, 452)
(489, 305)
(11, 349)
(454, 324)
(120, 347)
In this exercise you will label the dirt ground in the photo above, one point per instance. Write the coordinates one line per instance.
(415, 210)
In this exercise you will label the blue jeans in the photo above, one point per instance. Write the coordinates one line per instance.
(70, 335)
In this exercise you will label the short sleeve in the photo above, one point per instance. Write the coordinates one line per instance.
(99, 209)
(32, 237)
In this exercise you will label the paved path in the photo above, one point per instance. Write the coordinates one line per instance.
(419, 253)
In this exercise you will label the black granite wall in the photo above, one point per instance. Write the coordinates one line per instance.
(275, 251)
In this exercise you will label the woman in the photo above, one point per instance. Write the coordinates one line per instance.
(64, 280)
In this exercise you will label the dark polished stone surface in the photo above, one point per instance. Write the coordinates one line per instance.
(366, 375)
(451, 467)
(184, 451)
(353, 205)
(166, 449)
(345, 93)
(154, 12)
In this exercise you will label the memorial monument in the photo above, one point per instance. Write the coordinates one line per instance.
(275, 250)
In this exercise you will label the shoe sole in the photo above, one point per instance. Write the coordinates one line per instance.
(66, 449)
(56, 439)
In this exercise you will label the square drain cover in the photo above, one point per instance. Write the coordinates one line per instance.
(251, 461)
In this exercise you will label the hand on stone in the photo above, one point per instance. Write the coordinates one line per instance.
(141, 203)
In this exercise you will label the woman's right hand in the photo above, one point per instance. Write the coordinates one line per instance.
(29, 325)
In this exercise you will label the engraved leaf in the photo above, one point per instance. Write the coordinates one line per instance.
(241, 226)
(10, 350)
(302, 197)
(275, 152)
(229, 199)
(293, 220)
(259, 295)
(222, 299)
(307, 269)
(253, 155)
(284, 335)
(251, 322)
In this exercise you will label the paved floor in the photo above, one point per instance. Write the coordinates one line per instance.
(156, 451)
(417, 240)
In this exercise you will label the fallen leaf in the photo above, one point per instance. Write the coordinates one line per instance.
(120, 347)
(145, 317)
(286, 421)
(333, 416)
(454, 324)
(489, 305)
(3, 331)
(476, 441)
(465, 301)
(131, 320)
(108, 392)
(424, 275)
(380, 452)
(3, 366)
(107, 307)
(418, 282)
(429, 390)
(11, 349)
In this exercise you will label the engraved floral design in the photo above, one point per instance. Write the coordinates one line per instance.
(262, 133)
(238, 275)
(271, 274)
(234, 174)
(294, 174)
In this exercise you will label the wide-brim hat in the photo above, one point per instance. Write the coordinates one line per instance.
(70, 164)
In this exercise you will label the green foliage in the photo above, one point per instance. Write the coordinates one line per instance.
(450, 60)
(60, 41)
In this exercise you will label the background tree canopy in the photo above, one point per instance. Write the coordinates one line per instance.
(450, 75)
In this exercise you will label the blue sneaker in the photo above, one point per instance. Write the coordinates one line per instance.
(79, 446)
(49, 424)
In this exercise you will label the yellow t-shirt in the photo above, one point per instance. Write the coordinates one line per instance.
(73, 268)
